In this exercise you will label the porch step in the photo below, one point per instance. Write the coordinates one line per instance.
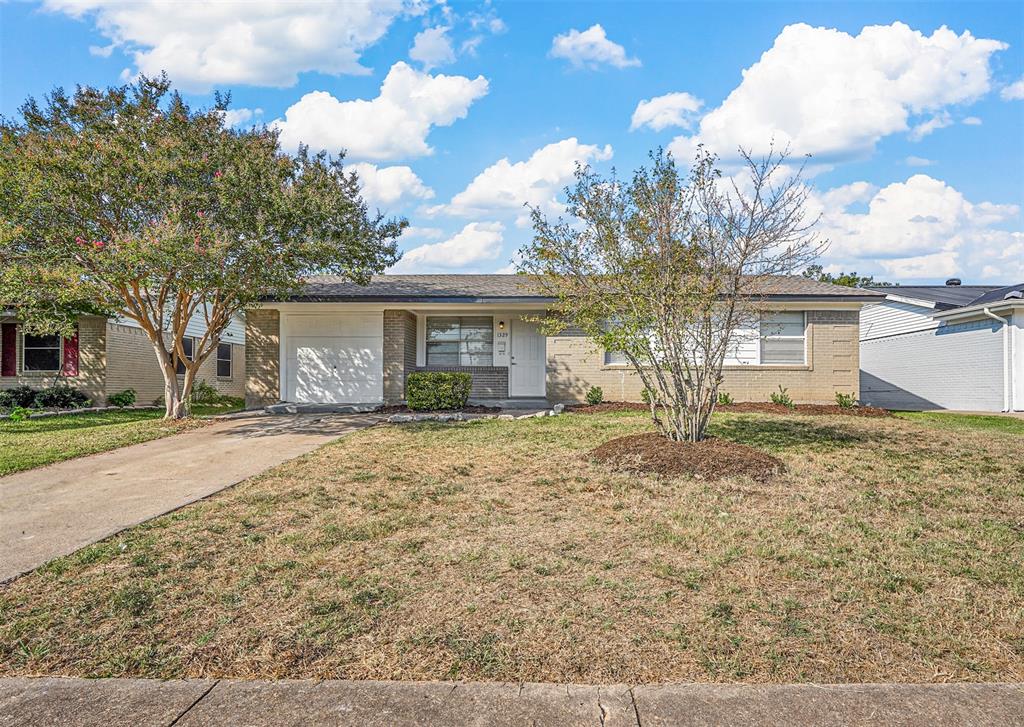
(320, 408)
(533, 403)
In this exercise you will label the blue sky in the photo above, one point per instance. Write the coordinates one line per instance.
(456, 114)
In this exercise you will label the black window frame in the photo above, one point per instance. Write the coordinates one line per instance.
(26, 347)
(189, 353)
(222, 360)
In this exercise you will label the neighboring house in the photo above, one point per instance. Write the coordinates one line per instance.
(944, 347)
(106, 356)
(339, 342)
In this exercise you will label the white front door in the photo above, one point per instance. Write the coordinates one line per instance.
(526, 373)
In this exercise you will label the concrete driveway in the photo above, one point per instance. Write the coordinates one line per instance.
(57, 509)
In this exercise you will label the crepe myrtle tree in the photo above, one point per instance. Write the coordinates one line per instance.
(670, 269)
(128, 202)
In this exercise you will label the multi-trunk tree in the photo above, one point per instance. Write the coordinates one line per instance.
(672, 270)
(128, 202)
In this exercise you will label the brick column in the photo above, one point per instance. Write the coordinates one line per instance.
(262, 358)
(399, 353)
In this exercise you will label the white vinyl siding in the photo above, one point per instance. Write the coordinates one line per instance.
(780, 339)
(894, 317)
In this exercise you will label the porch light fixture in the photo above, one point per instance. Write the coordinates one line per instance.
(501, 325)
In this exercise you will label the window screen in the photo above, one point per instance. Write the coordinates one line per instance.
(41, 353)
(224, 360)
(783, 337)
(614, 358)
(460, 341)
(186, 344)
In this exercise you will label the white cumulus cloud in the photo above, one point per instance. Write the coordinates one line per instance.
(238, 117)
(391, 126)
(205, 44)
(477, 242)
(913, 161)
(433, 47)
(381, 186)
(920, 228)
(835, 95)
(590, 49)
(661, 112)
(1013, 91)
(507, 186)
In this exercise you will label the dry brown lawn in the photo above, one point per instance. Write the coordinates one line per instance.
(888, 551)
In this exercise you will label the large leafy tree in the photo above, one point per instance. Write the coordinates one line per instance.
(672, 270)
(128, 202)
(850, 280)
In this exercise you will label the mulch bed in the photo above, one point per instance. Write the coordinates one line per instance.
(709, 459)
(757, 407)
(474, 409)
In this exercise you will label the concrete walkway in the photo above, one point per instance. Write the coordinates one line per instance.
(113, 702)
(57, 509)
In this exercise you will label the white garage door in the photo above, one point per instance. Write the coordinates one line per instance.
(335, 358)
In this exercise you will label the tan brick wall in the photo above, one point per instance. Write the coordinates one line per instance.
(575, 364)
(262, 358)
(489, 382)
(91, 363)
(399, 353)
(132, 364)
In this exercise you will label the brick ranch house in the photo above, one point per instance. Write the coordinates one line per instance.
(106, 356)
(342, 343)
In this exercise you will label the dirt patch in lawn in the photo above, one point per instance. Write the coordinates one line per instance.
(747, 407)
(709, 459)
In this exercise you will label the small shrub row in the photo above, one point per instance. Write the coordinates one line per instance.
(437, 390)
(122, 398)
(60, 396)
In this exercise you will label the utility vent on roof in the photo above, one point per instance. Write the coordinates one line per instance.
(953, 281)
(1014, 294)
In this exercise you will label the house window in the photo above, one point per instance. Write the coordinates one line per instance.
(460, 341)
(41, 353)
(188, 346)
(783, 337)
(224, 360)
(615, 358)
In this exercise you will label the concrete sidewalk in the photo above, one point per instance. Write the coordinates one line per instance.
(55, 510)
(114, 702)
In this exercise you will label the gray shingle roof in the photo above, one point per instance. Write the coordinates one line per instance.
(948, 297)
(1010, 292)
(944, 296)
(466, 288)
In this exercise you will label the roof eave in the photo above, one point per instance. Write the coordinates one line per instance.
(972, 310)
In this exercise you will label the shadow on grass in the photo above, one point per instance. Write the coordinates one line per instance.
(71, 422)
(779, 434)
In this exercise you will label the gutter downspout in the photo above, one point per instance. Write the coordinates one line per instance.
(1007, 357)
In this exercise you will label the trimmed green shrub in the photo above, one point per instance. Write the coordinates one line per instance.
(6, 401)
(204, 393)
(122, 398)
(595, 395)
(645, 396)
(60, 396)
(23, 396)
(845, 401)
(725, 398)
(782, 397)
(437, 390)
